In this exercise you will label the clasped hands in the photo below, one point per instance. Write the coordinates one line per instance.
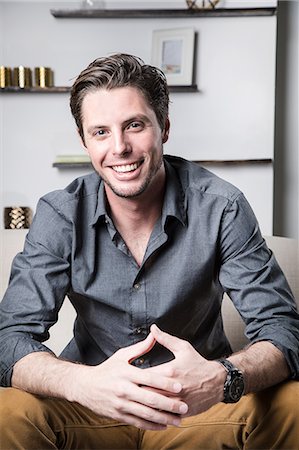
(159, 396)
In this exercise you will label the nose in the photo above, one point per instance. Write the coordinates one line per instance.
(121, 144)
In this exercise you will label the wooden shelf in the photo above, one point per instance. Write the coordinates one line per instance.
(234, 162)
(84, 165)
(61, 89)
(210, 162)
(39, 90)
(191, 88)
(159, 13)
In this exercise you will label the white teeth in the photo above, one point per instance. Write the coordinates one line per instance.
(125, 168)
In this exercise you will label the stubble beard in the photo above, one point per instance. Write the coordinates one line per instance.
(136, 193)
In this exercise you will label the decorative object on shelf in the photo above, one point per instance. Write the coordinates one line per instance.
(201, 4)
(93, 4)
(16, 217)
(43, 77)
(5, 77)
(22, 77)
(71, 160)
(173, 52)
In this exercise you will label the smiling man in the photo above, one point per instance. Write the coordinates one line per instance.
(126, 146)
(146, 243)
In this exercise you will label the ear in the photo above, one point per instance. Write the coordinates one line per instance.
(165, 132)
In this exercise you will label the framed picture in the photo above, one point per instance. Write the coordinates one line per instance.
(173, 52)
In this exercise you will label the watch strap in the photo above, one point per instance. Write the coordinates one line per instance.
(227, 364)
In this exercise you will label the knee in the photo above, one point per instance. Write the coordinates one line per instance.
(284, 400)
(23, 421)
(279, 403)
(275, 417)
(17, 405)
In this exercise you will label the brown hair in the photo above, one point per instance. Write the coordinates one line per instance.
(121, 70)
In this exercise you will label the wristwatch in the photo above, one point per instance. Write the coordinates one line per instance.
(234, 384)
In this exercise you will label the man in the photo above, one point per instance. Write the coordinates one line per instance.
(146, 243)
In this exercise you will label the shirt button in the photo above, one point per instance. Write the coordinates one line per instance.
(139, 361)
(137, 286)
(139, 330)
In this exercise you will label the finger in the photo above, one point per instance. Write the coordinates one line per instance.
(156, 378)
(172, 343)
(154, 415)
(168, 370)
(140, 423)
(158, 401)
(134, 351)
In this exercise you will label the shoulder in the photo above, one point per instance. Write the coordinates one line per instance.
(72, 205)
(195, 179)
(82, 188)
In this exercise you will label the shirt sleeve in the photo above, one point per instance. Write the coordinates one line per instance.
(38, 283)
(252, 278)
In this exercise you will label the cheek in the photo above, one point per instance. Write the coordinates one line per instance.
(94, 150)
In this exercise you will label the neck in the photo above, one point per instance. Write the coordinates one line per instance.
(141, 211)
(135, 218)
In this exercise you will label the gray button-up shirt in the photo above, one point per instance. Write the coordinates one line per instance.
(207, 241)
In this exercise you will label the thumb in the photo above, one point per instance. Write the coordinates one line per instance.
(133, 351)
(172, 343)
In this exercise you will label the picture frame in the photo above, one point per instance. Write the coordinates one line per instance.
(173, 53)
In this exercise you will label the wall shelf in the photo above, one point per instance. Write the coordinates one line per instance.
(210, 162)
(84, 165)
(234, 162)
(159, 13)
(39, 90)
(61, 89)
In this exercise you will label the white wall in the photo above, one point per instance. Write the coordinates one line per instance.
(232, 115)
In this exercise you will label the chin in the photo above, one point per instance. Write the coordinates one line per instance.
(128, 193)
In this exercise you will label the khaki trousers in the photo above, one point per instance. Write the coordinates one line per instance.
(267, 420)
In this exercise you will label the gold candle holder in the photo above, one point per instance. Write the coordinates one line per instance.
(43, 77)
(5, 77)
(22, 77)
(16, 217)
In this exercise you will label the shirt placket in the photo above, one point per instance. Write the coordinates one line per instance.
(138, 293)
(140, 324)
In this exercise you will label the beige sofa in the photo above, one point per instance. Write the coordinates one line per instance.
(285, 250)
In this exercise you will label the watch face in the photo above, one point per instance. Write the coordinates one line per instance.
(236, 389)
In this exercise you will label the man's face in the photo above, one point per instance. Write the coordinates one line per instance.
(123, 139)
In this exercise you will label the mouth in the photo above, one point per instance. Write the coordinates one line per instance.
(126, 168)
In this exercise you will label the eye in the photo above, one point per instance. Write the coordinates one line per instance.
(100, 132)
(135, 125)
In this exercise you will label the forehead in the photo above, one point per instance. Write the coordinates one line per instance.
(109, 102)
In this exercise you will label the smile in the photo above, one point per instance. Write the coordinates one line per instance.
(126, 167)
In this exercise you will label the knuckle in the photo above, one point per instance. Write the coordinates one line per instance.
(151, 401)
(147, 415)
(170, 372)
(120, 392)
(185, 345)
(118, 405)
(174, 407)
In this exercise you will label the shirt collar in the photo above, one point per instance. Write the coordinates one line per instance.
(174, 199)
(101, 210)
